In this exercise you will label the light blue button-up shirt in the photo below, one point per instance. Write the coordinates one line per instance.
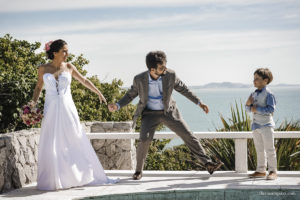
(155, 94)
(268, 109)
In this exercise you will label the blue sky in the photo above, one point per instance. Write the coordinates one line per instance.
(205, 41)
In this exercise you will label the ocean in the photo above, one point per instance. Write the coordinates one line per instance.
(220, 101)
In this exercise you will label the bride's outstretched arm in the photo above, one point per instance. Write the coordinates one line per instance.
(39, 85)
(87, 83)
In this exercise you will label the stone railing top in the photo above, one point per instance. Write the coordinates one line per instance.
(97, 126)
(24, 132)
(199, 135)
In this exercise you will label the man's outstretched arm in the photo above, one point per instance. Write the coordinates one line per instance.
(126, 99)
(185, 91)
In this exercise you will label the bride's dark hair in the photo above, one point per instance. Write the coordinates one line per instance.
(55, 47)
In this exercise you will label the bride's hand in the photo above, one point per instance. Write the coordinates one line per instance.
(102, 99)
(32, 104)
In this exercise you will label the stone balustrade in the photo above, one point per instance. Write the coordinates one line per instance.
(113, 143)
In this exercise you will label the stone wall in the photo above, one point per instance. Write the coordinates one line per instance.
(114, 154)
(18, 153)
(18, 158)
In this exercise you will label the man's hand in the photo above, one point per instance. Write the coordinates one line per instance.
(253, 109)
(112, 107)
(204, 107)
(250, 100)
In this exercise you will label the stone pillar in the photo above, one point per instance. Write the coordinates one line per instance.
(117, 154)
(18, 158)
(241, 155)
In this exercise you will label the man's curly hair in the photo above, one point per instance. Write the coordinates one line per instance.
(155, 57)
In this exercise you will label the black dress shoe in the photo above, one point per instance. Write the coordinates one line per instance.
(137, 176)
(212, 166)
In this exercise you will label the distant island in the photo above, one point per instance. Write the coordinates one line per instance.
(237, 85)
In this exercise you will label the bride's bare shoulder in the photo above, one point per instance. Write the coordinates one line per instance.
(70, 66)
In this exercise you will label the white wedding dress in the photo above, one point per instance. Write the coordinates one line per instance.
(66, 157)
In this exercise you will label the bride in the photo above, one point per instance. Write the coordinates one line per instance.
(65, 156)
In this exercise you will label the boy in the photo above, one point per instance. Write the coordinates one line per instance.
(262, 104)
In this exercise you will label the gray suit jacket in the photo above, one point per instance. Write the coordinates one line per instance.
(169, 82)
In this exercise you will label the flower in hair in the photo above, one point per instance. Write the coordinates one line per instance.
(47, 45)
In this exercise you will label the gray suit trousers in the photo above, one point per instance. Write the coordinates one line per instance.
(150, 121)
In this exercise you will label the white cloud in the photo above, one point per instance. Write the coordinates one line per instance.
(191, 41)
(199, 56)
(112, 24)
(39, 5)
(117, 48)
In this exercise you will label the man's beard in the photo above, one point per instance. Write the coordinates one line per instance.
(160, 74)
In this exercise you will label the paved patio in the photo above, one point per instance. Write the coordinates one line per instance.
(172, 184)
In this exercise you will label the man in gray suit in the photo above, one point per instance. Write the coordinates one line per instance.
(154, 88)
